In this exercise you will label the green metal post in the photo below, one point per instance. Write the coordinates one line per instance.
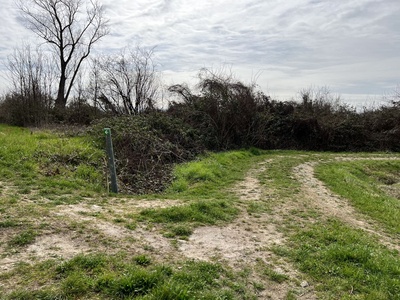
(111, 160)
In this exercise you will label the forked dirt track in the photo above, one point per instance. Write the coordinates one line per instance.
(243, 244)
(332, 205)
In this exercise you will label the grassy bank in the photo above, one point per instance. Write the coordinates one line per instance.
(50, 163)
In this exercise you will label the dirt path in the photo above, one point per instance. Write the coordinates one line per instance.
(243, 244)
(222, 242)
(246, 242)
(332, 205)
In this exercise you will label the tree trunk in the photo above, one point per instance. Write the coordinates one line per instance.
(60, 101)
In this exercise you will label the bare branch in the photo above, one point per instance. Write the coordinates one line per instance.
(130, 80)
(61, 23)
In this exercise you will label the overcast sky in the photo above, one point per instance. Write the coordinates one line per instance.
(350, 46)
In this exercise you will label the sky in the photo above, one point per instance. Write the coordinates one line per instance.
(352, 47)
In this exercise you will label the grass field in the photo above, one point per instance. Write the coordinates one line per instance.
(245, 224)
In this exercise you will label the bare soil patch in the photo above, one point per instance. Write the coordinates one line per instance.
(45, 247)
(115, 237)
(83, 228)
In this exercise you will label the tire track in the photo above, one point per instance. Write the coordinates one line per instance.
(332, 205)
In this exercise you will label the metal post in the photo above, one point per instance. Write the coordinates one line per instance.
(111, 161)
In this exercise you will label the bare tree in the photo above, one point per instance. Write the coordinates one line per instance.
(30, 70)
(129, 81)
(32, 77)
(94, 82)
(71, 28)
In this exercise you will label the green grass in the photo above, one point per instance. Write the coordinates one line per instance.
(23, 238)
(346, 263)
(38, 170)
(204, 212)
(204, 185)
(142, 260)
(361, 183)
(266, 269)
(258, 207)
(8, 223)
(182, 231)
(341, 262)
(116, 277)
(279, 174)
(180, 220)
(275, 276)
(208, 176)
(49, 162)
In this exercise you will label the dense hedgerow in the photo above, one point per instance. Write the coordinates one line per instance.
(226, 115)
(231, 115)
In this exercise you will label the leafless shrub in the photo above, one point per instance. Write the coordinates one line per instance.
(225, 109)
(127, 83)
(32, 77)
(320, 100)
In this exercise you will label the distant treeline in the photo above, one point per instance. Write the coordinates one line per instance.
(221, 114)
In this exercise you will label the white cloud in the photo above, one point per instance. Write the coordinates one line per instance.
(351, 46)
